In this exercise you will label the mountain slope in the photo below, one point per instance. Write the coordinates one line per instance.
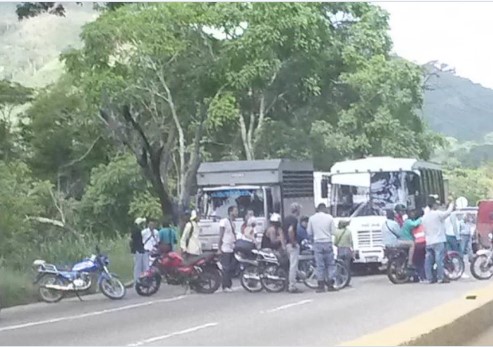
(457, 107)
(29, 49)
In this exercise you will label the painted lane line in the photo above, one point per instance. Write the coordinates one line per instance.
(89, 314)
(284, 307)
(177, 333)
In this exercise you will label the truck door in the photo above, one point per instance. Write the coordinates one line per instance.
(268, 202)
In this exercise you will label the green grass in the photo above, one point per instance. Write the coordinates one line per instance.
(16, 286)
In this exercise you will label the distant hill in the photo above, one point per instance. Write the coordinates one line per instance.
(457, 107)
(29, 49)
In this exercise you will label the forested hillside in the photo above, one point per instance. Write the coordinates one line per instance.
(457, 107)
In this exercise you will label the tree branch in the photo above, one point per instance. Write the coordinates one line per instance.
(84, 156)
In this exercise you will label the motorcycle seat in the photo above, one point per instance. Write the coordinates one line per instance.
(192, 259)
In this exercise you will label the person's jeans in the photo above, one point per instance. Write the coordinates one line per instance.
(419, 260)
(141, 264)
(435, 254)
(324, 260)
(228, 264)
(294, 254)
(465, 245)
(453, 244)
(346, 255)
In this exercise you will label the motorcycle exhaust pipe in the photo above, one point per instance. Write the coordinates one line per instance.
(251, 277)
(68, 288)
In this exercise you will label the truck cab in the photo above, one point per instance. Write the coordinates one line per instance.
(363, 189)
(260, 186)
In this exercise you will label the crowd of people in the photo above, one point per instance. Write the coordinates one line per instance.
(427, 235)
(284, 236)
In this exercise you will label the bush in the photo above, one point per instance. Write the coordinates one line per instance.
(16, 286)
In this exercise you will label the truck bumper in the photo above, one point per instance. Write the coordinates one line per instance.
(369, 256)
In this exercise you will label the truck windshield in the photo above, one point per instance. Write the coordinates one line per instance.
(347, 200)
(385, 191)
(215, 204)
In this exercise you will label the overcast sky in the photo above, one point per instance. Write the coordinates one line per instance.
(456, 33)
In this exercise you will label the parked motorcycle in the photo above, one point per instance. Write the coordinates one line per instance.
(200, 273)
(482, 263)
(307, 266)
(261, 269)
(54, 283)
(398, 271)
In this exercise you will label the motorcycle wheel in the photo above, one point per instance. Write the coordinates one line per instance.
(112, 288)
(342, 276)
(208, 281)
(454, 266)
(274, 279)
(397, 271)
(50, 295)
(480, 268)
(146, 286)
(251, 285)
(310, 280)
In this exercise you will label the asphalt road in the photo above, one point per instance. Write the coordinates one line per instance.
(485, 339)
(172, 317)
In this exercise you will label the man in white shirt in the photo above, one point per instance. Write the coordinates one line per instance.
(150, 239)
(452, 233)
(433, 223)
(227, 239)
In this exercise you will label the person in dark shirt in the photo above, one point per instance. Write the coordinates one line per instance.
(290, 227)
(137, 248)
(301, 232)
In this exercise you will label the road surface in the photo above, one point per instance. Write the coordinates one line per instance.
(239, 318)
(485, 339)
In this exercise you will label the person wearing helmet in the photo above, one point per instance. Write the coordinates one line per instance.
(273, 236)
(400, 211)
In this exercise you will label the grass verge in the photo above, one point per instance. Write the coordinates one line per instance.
(16, 287)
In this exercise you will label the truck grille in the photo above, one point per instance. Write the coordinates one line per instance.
(370, 238)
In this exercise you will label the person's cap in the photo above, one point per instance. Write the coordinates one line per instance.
(193, 215)
(140, 220)
(252, 221)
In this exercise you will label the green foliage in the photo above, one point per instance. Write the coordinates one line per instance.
(63, 137)
(473, 184)
(108, 197)
(144, 204)
(21, 197)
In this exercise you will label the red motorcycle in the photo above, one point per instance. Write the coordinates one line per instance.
(200, 273)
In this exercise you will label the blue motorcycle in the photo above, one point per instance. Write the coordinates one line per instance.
(55, 283)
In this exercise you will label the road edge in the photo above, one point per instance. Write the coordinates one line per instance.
(450, 324)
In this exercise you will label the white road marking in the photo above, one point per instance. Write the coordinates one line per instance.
(284, 307)
(167, 336)
(89, 314)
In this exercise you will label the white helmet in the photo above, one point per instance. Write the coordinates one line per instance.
(275, 218)
(140, 220)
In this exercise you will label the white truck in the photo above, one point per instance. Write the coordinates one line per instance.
(263, 186)
(361, 191)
